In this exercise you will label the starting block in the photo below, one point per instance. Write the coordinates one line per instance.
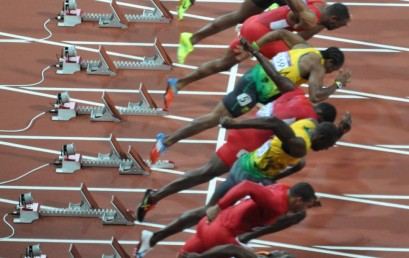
(70, 16)
(70, 62)
(65, 109)
(34, 251)
(118, 250)
(87, 208)
(129, 163)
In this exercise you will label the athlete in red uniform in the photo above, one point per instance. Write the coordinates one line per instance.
(226, 221)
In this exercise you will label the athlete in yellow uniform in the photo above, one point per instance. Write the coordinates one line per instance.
(270, 158)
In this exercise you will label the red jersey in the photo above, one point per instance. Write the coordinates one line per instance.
(277, 18)
(267, 203)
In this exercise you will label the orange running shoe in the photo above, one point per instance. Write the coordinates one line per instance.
(171, 91)
(159, 148)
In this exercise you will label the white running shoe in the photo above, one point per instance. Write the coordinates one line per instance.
(144, 244)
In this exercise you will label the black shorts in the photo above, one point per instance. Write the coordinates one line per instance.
(244, 97)
(264, 4)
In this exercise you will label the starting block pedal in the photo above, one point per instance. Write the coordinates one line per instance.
(87, 208)
(129, 163)
(107, 114)
(70, 16)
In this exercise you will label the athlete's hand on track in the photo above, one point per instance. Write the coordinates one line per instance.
(344, 77)
(345, 123)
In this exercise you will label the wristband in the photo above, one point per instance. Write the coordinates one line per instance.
(339, 84)
(255, 46)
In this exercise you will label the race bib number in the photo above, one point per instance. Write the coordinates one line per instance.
(281, 61)
(263, 149)
(244, 99)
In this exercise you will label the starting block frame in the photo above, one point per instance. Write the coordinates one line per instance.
(70, 16)
(129, 163)
(70, 64)
(87, 208)
(146, 106)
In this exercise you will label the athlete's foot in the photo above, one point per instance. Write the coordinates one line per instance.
(183, 6)
(171, 91)
(145, 205)
(273, 6)
(185, 46)
(144, 245)
(159, 148)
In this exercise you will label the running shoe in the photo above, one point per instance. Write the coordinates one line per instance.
(183, 6)
(158, 149)
(145, 205)
(171, 91)
(273, 6)
(144, 244)
(185, 46)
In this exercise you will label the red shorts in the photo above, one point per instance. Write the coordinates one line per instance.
(240, 142)
(252, 30)
(208, 236)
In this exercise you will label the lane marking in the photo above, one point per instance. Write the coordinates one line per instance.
(365, 248)
(378, 196)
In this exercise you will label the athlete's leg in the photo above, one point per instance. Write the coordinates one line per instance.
(197, 125)
(211, 67)
(215, 167)
(247, 8)
(186, 220)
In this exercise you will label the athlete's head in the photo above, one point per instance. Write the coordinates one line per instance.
(326, 112)
(333, 59)
(335, 16)
(324, 136)
(301, 197)
(274, 254)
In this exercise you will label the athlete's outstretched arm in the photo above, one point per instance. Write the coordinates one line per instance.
(289, 38)
(283, 83)
(290, 170)
(305, 17)
(281, 223)
(291, 144)
(222, 251)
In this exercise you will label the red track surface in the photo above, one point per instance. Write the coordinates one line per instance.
(353, 167)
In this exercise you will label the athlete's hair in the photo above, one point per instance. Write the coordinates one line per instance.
(338, 10)
(327, 112)
(303, 190)
(335, 54)
(328, 132)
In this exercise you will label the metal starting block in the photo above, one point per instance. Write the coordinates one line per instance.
(71, 16)
(87, 208)
(118, 250)
(66, 109)
(129, 163)
(70, 63)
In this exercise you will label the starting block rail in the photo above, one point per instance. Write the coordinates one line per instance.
(70, 16)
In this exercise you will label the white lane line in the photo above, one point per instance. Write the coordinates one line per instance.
(369, 147)
(351, 199)
(394, 146)
(91, 189)
(379, 196)
(359, 42)
(305, 248)
(365, 248)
